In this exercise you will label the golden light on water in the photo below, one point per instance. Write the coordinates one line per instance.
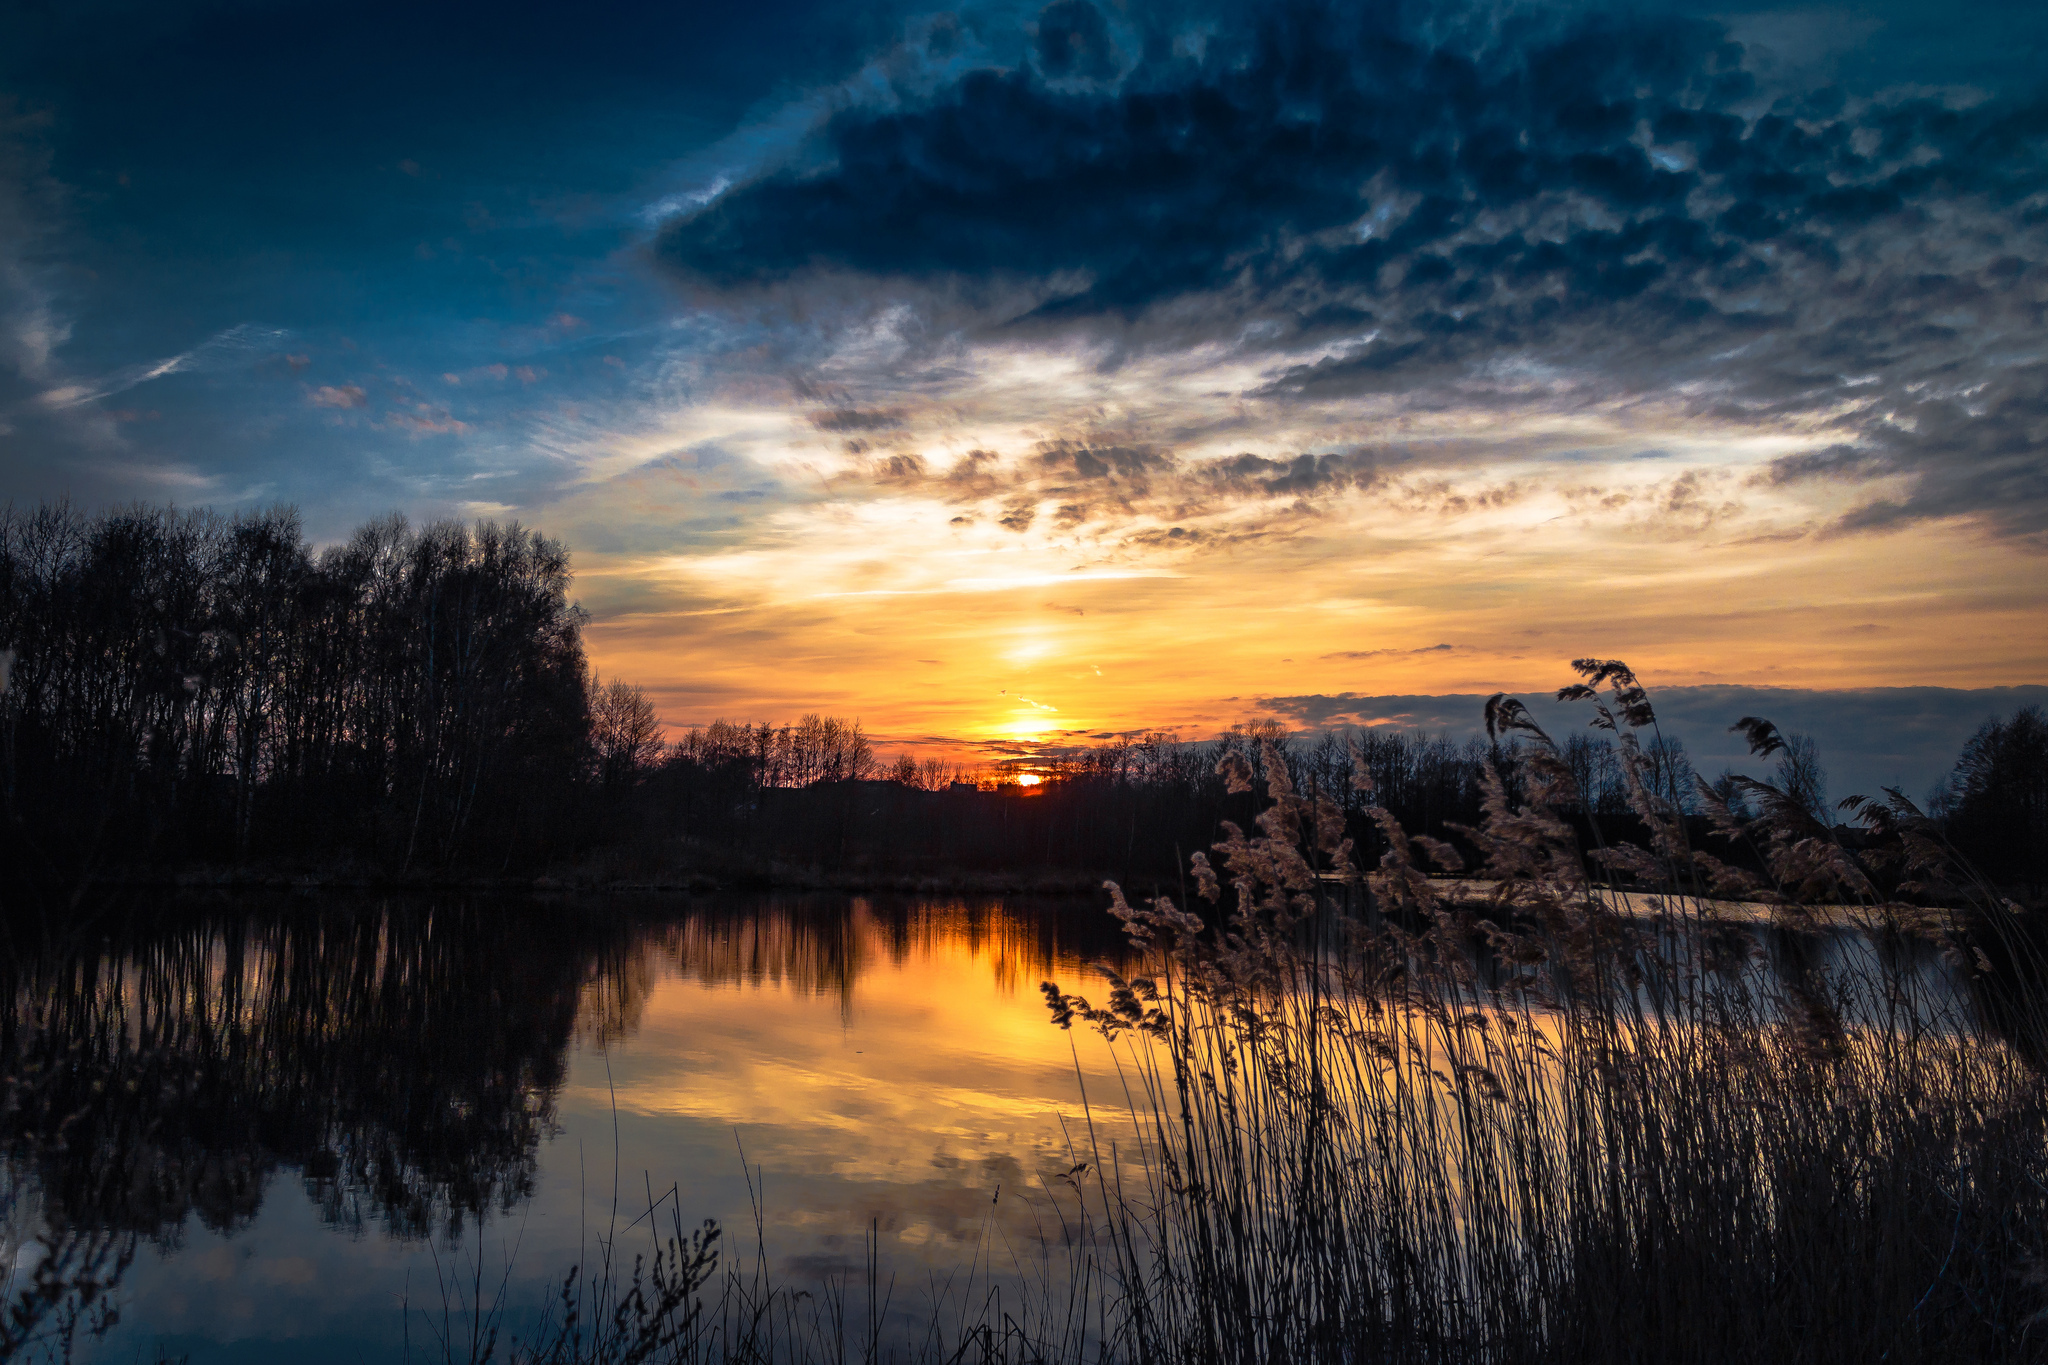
(859, 1056)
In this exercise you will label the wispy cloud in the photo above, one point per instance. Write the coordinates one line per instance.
(234, 346)
(1391, 653)
(32, 326)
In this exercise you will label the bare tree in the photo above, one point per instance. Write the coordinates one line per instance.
(625, 734)
(203, 685)
(1596, 773)
(1996, 800)
(1670, 773)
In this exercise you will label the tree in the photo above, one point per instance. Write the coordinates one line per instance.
(202, 686)
(625, 735)
(1729, 790)
(1670, 773)
(1996, 801)
(1596, 773)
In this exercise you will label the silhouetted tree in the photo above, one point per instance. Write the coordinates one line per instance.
(1995, 803)
(1120, 806)
(625, 735)
(184, 685)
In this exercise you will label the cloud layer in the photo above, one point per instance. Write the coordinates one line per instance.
(1465, 211)
(1141, 359)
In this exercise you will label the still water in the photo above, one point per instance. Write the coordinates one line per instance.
(318, 1124)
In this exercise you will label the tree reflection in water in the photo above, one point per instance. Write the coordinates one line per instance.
(402, 1058)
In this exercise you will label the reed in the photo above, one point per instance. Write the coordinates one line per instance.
(674, 1299)
(1598, 1103)
(1578, 1114)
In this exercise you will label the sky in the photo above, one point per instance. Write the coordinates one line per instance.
(1021, 373)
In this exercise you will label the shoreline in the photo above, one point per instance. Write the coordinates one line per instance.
(680, 883)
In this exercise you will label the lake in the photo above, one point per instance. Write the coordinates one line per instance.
(330, 1128)
(320, 1123)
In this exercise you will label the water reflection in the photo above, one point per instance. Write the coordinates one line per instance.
(404, 1061)
(415, 1068)
(295, 1111)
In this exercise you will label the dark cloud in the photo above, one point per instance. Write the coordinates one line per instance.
(900, 469)
(1340, 148)
(1975, 450)
(1208, 503)
(1390, 653)
(853, 419)
(1424, 200)
(1073, 39)
(977, 474)
(1833, 462)
(1302, 476)
(1106, 482)
(1105, 463)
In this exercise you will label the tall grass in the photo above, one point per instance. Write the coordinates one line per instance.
(1568, 1110)
(1385, 1123)
(674, 1299)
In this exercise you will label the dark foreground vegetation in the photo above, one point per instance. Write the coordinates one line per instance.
(1540, 1116)
(1380, 1120)
(1524, 1127)
(186, 693)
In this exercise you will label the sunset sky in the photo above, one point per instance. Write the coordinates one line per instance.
(1021, 373)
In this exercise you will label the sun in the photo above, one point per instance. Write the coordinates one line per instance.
(1028, 779)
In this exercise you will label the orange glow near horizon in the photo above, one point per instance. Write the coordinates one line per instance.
(1212, 643)
(981, 607)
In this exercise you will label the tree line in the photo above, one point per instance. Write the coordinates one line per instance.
(185, 686)
(1122, 807)
(1127, 805)
(180, 687)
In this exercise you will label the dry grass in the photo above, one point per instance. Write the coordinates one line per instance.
(1380, 1125)
(1376, 1122)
